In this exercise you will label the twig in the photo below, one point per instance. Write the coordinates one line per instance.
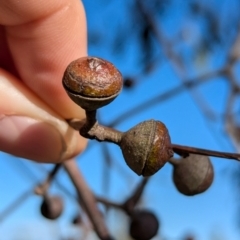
(177, 63)
(131, 202)
(188, 84)
(15, 204)
(42, 188)
(93, 130)
(87, 199)
(185, 150)
(109, 203)
(128, 205)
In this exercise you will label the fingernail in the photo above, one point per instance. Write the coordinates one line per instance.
(29, 138)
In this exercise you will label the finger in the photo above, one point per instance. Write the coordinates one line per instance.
(43, 38)
(6, 61)
(30, 129)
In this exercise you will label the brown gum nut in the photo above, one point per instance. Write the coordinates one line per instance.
(193, 174)
(91, 79)
(52, 207)
(146, 147)
(144, 225)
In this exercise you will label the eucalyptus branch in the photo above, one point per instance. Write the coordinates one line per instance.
(92, 130)
(15, 204)
(185, 150)
(131, 202)
(42, 188)
(87, 199)
(102, 133)
(187, 84)
(108, 203)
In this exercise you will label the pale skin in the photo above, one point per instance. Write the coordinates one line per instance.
(38, 39)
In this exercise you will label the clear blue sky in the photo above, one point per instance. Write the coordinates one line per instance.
(212, 214)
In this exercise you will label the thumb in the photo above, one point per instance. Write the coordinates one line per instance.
(30, 129)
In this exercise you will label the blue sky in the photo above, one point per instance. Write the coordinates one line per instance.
(209, 215)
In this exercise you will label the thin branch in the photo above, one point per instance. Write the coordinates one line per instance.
(176, 62)
(131, 202)
(23, 196)
(16, 203)
(231, 127)
(109, 203)
(185, 150)
(42, 188)
(29, 173)
(87, 199)
(188, 84)
(93, 130)
(128, 205)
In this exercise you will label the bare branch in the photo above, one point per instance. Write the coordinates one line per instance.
(87, 199)
(188, 84)
(42, 188)
(185, 150)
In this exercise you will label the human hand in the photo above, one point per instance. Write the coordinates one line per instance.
(38, 39)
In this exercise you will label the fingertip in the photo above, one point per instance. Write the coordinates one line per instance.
(28, 138)
(77, 144)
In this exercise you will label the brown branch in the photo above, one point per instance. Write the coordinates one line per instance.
(92, 130)
(108, 203)
(128, 205)
(42, 188)
(87, 199)
(131, 202)
(231, 126)
(15, 204)
(185, 151)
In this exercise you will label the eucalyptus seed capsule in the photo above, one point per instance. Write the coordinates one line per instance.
(92, 82)
(193, 175)
(146, 147)
(51, 207)
(144, 225)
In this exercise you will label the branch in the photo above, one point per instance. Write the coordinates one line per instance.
(128, 205)
(87, 199)
(185, 150)
(187, 84)
(42, 188)
(16, 203)
(131, 202)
